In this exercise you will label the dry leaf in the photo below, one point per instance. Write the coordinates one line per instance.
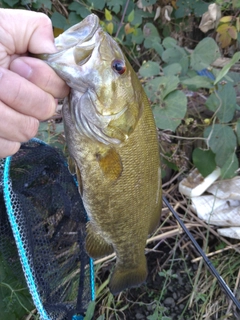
(210, 19)
(157, 14)
(128, 29)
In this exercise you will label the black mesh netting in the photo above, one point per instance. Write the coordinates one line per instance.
(46, 217)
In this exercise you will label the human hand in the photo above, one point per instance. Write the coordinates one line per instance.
(28, 86)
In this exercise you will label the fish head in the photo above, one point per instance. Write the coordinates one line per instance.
(106, 98)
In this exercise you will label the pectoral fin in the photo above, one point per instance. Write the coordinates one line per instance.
(73, 169)
(71, 165)
(110, 164)
(96, 246)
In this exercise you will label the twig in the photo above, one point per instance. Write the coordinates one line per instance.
(210, 254)
(234, 291)
(123, 16)
(165, 235)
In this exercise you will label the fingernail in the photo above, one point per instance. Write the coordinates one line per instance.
(21, 68)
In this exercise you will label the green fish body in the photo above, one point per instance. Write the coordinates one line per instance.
(112, 141)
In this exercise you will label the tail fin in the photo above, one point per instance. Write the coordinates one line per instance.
(123, 278)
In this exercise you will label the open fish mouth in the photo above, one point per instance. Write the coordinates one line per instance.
(76, 45)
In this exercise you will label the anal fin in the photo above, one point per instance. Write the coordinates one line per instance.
(96, 245)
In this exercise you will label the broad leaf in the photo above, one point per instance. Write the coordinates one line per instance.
(58, 20)
(230, 167)
(158, 88)
(149, 30)
(238, 131)
(198, 82)
(147, 3)
(176, 54)
(169, 42)
(222, 140)
(205, 53)
(172, 69)
(204, 160)
(149, 69)
(98, 4)
(170, 112)
(223, 102)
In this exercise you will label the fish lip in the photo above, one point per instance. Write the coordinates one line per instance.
(66, 42)
(91, 21)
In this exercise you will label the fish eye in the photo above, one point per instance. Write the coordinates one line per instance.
(119, 66)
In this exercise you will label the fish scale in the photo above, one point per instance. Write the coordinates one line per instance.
(113, 145)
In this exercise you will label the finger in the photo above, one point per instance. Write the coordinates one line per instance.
(23, 31)
(39, 73)
(24, 96)
(8, 148)
(15, 126)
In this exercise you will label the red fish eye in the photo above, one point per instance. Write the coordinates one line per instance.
(119, 66)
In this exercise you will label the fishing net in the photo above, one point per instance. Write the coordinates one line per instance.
(42, 218)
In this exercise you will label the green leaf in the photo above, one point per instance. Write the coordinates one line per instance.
(115, 5)
(11, 3)
(98, 4)
(198, 82)
(149, 69)
(172, 69)
(159, 87)
(75, 6)
(204, 161)
(170, 112)
(149, 30)
(186, 7)
(108, 15)
(137, 36)
(205, 53)
(223, 102)
(130, 16)
(169, 42)
(230, 167)
(90, 310)
(80, 9)
(154, 43)
(43, 4)
(222, 140)
(73, 18)
(157, 47)
(227, 67)
(58, 20)
(238, 131)
(147, 3)
(138, 17)
(176, 54)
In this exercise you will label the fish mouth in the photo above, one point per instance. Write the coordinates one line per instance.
(75, 46)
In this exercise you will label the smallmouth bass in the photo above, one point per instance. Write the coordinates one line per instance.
(112, 141)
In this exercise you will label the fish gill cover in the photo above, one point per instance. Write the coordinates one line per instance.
(44, 214)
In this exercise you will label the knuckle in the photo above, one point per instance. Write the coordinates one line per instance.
(31, 128)
(9, 148)
(13, 148)
(48, 108)
(44, 19)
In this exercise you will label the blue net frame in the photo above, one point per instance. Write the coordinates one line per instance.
(37, 187)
